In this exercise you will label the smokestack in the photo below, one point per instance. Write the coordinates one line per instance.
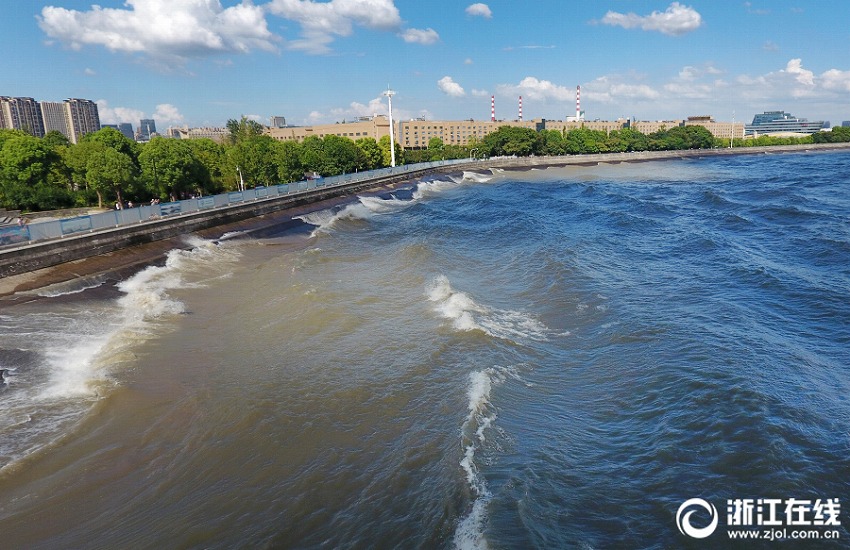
(520, 108)
(578, 102)
(492, 108)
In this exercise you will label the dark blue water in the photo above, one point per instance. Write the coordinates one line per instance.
(708, 354)
(535, 359)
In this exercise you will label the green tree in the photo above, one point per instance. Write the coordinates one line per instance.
(626, 139)
(289, 167)
(252, 161)
(513, 141)
(27, 174)
(553, 142)
(341, 156)
(312, 154)
(436, 149)
(583, 141)
(242, 129)
(384, 144)
(171, 169)
(372, 153)
(114, 139)
(210, 156)
(55, 139)
(109, 172)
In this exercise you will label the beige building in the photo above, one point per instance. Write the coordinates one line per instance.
(415, 134)
(374, 127)
(717, 129)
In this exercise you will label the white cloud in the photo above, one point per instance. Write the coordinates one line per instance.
(803, 76)
(538, 90)
(322, 21)
(89, 72)
(623, 89)
(450, 87)
(467, 61)
(480, 93)
(167, 114)
(117, 115)
(834, 79)
(634, 91)
(674, 21)
(162, 28)
(376, 106)
(690, 84)
(420, 36)
(479, 10)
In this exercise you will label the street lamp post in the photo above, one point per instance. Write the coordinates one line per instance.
(389, 93)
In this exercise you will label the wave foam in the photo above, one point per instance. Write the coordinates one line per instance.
(80, 366)
(469, 534)
(466, 314)
(324, 220)
(476, 177)
(432, 188)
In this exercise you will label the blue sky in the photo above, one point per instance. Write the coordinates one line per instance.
(201, 62)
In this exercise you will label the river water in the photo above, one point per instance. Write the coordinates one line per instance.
(551, 358)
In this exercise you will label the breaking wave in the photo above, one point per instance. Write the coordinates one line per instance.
(80, 350)
(466, 314)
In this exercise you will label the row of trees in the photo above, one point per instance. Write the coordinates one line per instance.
(105, 166)
(50, 173)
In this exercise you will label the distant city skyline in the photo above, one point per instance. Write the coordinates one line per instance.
(198, 64)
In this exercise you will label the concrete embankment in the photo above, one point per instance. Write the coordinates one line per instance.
(39, 255)
(16, 262)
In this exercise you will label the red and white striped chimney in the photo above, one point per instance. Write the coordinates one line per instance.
(578, 102)
(492, 108)
(520, 108)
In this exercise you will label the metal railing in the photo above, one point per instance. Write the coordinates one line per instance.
(56, 229)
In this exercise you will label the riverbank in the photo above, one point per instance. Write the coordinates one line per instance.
(114, 253)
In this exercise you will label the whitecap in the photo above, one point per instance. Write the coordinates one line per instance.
(78, 367)
(466, 314)
(324, 220)
(432, 188)
(476, 177)
(378, 205)
(470, 530)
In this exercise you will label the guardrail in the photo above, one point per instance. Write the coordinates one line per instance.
(56, 229)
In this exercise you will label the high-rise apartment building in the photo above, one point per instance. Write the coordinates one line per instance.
(82, 118)
(21, 113)
(55, 117)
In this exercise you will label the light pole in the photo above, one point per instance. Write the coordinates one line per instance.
(241, 181)
(731, 139)
(389, 93)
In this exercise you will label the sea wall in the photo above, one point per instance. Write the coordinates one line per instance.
(30, 257)
(37, 255)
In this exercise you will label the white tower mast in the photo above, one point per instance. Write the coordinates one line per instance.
(389, 93)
